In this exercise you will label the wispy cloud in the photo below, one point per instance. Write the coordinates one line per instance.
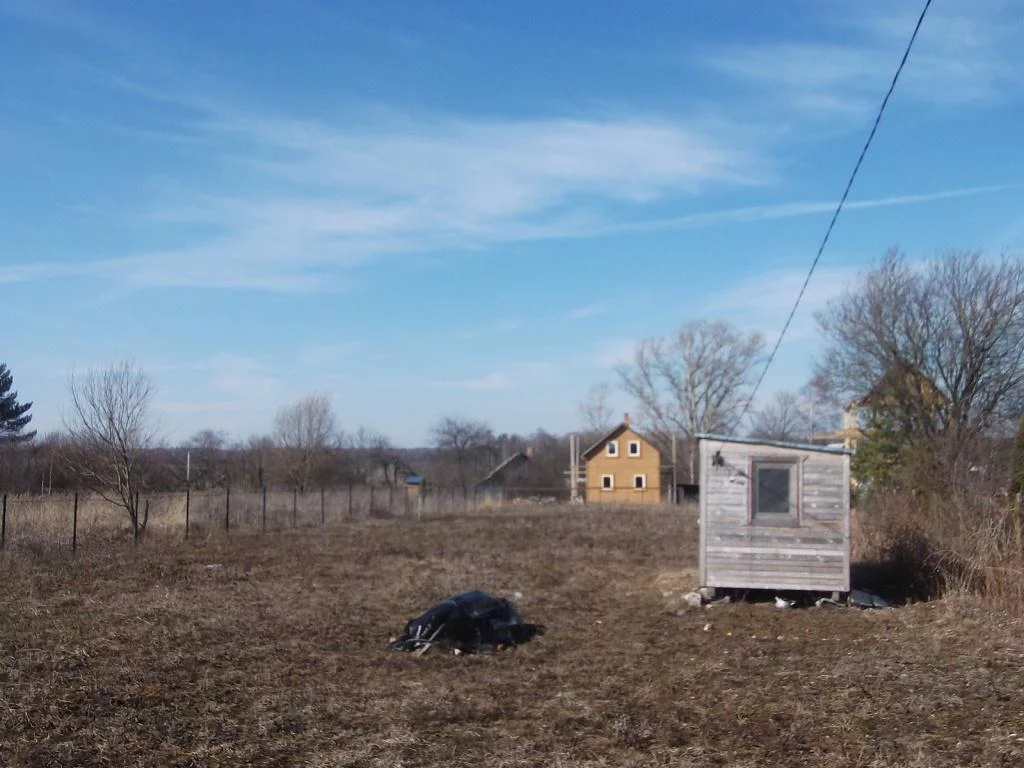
(756, 213)
(611, 353)
(492, 382)
(763, 301)
(512, 376)
(587, 311)
(481, 331)
(302, 201)
(959, 58)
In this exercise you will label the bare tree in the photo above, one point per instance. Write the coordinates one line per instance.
(374, 456)
(108, 429)
(467, 449)
(785, 417)
(595, 411)
(209, 467)
(693, 381)
(946, 339)
(306, 431)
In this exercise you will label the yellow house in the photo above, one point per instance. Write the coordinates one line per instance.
(623, 468)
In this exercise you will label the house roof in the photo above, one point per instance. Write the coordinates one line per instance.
(611, 435)
(772, 443)
(903, 377)
(512, 461)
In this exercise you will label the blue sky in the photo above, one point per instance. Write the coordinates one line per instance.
(426, 209)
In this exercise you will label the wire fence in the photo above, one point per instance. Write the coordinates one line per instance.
(83, 520)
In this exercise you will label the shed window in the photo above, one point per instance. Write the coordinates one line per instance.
(634, 447)
(774, 492)
(613, 447)
(607, 482)
(640, 481)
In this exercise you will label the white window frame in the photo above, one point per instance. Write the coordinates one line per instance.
(790, 518)
(634, 444)
(611, 482)
(643, 482)
(612, 449)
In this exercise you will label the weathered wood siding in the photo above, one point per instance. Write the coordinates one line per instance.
(813, 554)
(622, 468)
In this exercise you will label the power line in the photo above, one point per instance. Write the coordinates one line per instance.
(835, 215)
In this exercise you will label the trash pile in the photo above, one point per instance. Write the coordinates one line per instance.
(469, 622)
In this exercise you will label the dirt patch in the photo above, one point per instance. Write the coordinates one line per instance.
(277, 657)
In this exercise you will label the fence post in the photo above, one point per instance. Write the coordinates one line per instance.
(3, 524)
(295, 507)
(188, 504)
(135, 521)
(350, 501)
(74, 525)
(264, 509)
(391, 499)
(407, 501)
(322, 515)
(369, 512)
(227, 509)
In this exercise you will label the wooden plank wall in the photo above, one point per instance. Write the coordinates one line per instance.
(814, 555)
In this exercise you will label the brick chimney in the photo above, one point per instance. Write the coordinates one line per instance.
(625, 419)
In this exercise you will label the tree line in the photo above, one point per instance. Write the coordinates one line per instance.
(939, 347)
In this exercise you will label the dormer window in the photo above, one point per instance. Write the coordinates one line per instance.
(634, 447)
(613, 448)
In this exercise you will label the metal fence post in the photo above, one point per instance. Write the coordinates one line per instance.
(295, 507)
(322, 514)
(264, 509)
(369, 512)
(350, 501)
(3, 524)
(227, 509)
(74, 525)
(188, 504)
(135, 521)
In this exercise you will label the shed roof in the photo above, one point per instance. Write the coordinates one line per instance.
(512, 461)
(773, 443)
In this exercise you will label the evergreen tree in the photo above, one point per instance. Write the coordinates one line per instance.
(13, 416)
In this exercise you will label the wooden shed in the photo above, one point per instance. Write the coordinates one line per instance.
(774, 515)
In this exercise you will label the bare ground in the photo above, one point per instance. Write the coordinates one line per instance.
(276, 657)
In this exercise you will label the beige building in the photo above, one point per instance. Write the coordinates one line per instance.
(623, 467)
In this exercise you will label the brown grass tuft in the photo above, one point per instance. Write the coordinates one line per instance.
(268, 650)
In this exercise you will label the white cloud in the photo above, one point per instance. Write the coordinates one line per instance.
(763, 302)
(501, 327)
(306, 200)
(959, 58)
(512, 376)
(609, 354)
(587, 311)
(492, 382)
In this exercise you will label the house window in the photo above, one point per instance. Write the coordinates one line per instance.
(607, 482)
(774, 492)
(634, 447)
(640, 482)
(613, 447)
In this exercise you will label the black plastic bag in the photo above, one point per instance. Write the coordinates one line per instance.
(469, 622)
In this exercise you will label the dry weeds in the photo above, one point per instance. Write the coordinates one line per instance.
(276, 657)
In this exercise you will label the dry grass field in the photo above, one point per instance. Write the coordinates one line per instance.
(276, 656)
